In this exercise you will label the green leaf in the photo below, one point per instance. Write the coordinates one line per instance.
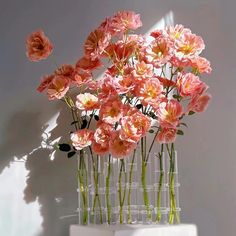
(96, 117)
(191, 113)
(151, 131)
(180, 132)
(152, 114)
(184, 124)
(139, 106)
(84, 124)
(176, 96)
(71, 154)
(64, 147)
(74, 122)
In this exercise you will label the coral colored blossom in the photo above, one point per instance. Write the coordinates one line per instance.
(189, 84)
(58, 87)
(199, 103)
(96, 43)
(125, 20)
(45, 83)
(149, 91)
(87, 63)
(169, 112)
(134, 127)
(120, 148)
(100, 149)
(87, 102)
(201, 65)
(82, 138)
(159, 51)
(166, 135)
(143, 70)
(189, 46)
(38, 46)
(111, 111)
(65, 70)
(81, 76)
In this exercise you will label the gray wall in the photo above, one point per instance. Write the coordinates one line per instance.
(35, 193)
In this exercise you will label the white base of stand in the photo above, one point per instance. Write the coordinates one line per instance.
(134, 230)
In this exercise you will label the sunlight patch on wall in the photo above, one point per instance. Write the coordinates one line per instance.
(17, 217)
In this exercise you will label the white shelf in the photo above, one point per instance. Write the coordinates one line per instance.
(134, 230)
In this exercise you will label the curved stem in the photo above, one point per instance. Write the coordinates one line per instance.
(108, 203)
(130, 188)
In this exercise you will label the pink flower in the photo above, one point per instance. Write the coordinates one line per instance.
(102, 133)
(65, 70)
(81, 76)
(149, 91)
(100, 149)
(143, 70)
(134, 127)
(188, 46)
(58, 87)
(45, 83)
(86, 63)
(38, 46)
(120, 148)
(111, 111)
(201, 65)
(189, 84)
(87, 102)
(96, 43)
(199, 103)
(82, 138)
(169, 112)
(166, 135)
(125, 20)
(159, 51)
(176, 32)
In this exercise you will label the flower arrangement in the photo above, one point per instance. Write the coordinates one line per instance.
(150, 84)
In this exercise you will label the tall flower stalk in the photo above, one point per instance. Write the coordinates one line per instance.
(160, 185)
(173, 211)
(108, 201)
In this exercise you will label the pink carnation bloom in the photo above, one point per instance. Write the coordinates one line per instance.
(125, 20)
(86, 63)
(120, 148)
(87, 102)
(81, 76)
(169, 112)
(111, 111)
(82, 138)
(189, 84)
(159, 51)
(143, 70)
(96, 43)
(149, 91)
(58, 87)
(38, 46)
(199, 103)
(201, 65)
(134, 127)
(188, 46)
(102, 133)
(166, 135)
(45, 83)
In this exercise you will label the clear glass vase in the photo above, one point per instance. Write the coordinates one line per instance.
(132, 190)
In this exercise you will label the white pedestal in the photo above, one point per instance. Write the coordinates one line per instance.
(134, 230)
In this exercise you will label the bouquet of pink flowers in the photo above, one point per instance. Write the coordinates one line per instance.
(149, 85)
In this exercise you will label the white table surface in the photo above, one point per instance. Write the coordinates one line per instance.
(134, 230)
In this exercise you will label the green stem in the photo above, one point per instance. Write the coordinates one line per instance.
(130, 188)
(173, 214)
(108, 203)
(122, 198)
(82, 175)
(160, 184)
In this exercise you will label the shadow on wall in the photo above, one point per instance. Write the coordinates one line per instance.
(52, 183)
